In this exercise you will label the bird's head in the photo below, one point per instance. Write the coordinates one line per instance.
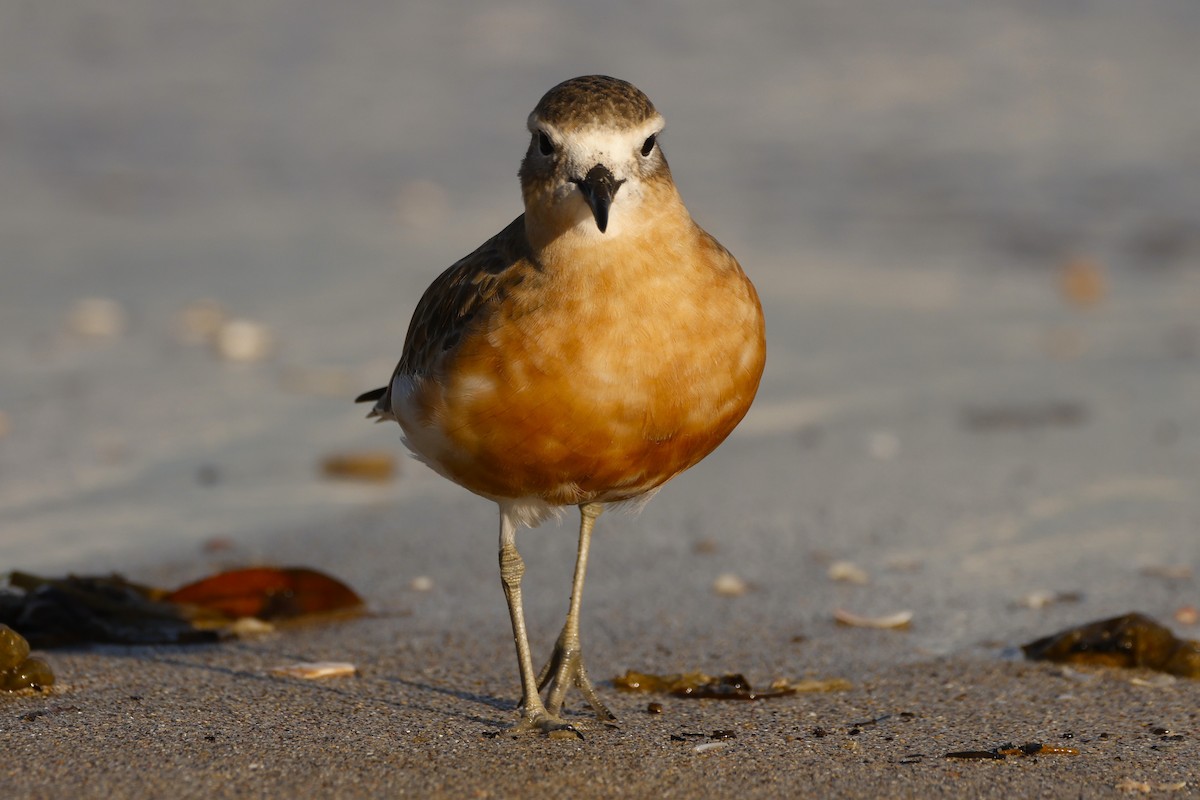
(593, 157)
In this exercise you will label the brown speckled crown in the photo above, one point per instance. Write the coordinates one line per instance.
(593, 100)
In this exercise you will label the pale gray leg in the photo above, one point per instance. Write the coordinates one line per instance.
(565, 667)
(534, 716)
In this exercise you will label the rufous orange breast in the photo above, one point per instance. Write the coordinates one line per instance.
(590, 369)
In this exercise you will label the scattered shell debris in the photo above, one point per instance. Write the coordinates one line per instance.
(18, 671)
(199, 322)
(1005, 750)
(706, 746)
(372, 466)
(97, 318)
(848, 572)
(732, 686)
(1132, 640)
(897, 620)
(316, 670)
(729, 584)
(421, 583)
(244, 341)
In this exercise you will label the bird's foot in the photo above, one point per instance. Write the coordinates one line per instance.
(564, 670)
(539, 720)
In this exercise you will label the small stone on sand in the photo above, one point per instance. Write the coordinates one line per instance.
(244, 341)
(97, 318)
(727, 584)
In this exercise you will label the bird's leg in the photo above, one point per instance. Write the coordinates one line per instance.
(565, 667)
(534, 716)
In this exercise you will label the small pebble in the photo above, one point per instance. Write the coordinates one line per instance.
(421, 583)
(244, 341)
(248, 627)
(848, 572)
(199, 322)
(728, 584)
(1038, 599)
(1187, 615)
(97, 318)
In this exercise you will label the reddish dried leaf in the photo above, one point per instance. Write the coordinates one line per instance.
(268, 593)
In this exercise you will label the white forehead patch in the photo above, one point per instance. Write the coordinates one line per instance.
(616, 148)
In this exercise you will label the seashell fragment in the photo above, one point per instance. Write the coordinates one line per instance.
(900, 619)
(316, 670)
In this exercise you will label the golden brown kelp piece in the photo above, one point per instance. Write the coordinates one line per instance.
(1131, 640)
(722, 687)
(1006, 750)
(17, 670)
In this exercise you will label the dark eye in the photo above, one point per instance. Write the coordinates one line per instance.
(544, 144)
(648, 145)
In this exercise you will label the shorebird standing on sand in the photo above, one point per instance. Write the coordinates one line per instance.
(591, 351)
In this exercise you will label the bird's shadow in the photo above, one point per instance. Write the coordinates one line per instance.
(508, 707)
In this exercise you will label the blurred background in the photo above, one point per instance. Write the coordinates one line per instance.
(975, 227)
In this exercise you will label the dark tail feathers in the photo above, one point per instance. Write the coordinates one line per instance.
(371, 396)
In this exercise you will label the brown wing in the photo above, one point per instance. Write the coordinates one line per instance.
(453, 301)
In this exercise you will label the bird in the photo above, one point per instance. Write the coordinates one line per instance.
(592, 350)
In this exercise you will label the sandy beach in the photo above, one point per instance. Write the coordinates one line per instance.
(975, 228)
